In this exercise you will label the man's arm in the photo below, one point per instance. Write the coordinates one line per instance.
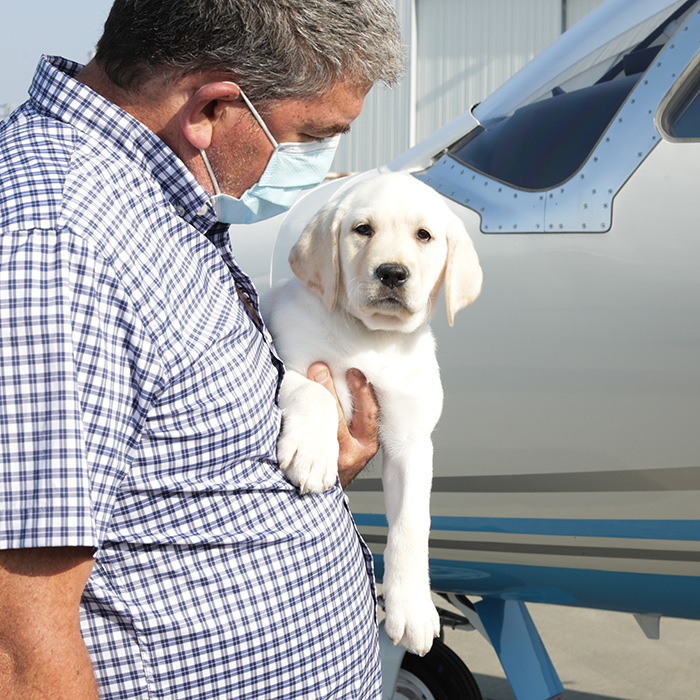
(358, 441)
(42, 653)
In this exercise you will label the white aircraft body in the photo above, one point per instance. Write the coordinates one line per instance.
(567, 458)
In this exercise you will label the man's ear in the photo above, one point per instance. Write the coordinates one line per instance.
(204, 109)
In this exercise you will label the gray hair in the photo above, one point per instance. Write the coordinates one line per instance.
(273, 49)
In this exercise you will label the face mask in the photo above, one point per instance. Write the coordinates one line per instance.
(292, 168)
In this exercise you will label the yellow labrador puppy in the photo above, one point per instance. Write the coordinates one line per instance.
(369, 267)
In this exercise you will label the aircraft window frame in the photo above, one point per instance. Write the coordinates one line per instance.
(542, 143)
(585, 202)
(682, 101)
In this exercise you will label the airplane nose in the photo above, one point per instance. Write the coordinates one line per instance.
(392, 274)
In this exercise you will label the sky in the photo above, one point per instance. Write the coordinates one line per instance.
(32, 27)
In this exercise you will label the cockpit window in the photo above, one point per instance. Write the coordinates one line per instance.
(680, 113)
(685, 123)
(538, 129)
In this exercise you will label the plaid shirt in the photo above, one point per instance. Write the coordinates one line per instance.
(139, 418)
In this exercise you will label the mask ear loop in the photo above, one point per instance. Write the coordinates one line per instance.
(259, 119)
(210, 171)
(263, 126)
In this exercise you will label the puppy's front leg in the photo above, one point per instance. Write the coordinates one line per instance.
(411, 618)
(307, 449)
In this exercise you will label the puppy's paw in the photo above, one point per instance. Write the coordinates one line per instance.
(412, 622)
(307, 451)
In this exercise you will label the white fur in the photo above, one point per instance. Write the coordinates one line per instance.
(340, 313)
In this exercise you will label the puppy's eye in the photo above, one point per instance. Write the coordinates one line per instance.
(423, 235)
(363, 229)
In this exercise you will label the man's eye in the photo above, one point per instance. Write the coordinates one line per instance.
(321, 139)
(423, 235)
(363, 230)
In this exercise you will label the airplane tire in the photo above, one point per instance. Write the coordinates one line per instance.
(439, 675)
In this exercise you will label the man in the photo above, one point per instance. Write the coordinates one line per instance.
(151, 546)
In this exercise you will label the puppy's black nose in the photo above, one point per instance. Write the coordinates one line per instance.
(391, 274)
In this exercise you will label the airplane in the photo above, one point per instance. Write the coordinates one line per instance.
(567, 458)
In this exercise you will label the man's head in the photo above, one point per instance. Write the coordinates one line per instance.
(179, 66)
(272, 49)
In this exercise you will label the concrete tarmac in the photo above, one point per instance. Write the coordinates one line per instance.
(598, 655)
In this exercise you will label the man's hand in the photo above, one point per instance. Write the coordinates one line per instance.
(358, 441)
(42, 653)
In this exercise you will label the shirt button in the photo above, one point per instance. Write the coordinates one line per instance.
(180, 210)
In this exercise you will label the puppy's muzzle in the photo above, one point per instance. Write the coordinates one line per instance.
(392, 275)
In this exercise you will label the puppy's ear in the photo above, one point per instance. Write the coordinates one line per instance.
(314, 257)
(463, 275)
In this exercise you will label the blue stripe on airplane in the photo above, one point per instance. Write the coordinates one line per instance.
(672, 596)
(637, 529)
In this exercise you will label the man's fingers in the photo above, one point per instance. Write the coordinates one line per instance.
(319, 373)
(359, 441)
(364, 426)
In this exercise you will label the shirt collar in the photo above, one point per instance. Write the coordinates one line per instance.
(56, 93)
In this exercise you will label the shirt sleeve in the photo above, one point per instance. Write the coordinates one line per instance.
(77, 373)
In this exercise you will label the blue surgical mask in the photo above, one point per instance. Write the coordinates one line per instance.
(292, 168)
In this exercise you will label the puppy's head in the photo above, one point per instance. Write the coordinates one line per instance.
(382, 249)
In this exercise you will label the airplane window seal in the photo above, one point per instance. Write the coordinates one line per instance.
(679, 112)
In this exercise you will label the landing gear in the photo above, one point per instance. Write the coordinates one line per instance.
(439, 675)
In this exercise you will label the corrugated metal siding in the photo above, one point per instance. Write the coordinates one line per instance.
(577, 9)
(467, 48)
(462, 51)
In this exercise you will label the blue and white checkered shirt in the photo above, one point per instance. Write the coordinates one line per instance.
(138, 417)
